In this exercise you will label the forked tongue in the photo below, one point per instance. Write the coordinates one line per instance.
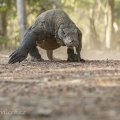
(75, 52)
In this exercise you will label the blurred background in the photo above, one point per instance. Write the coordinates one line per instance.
(99, 20)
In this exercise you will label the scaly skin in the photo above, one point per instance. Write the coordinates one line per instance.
(51, 30)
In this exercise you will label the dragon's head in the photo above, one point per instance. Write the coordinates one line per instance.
(69, 35)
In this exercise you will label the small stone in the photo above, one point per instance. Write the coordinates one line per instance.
(18, 69)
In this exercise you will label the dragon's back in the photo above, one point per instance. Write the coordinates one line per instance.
(53, 17)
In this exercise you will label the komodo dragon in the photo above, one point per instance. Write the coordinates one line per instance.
(51, 30)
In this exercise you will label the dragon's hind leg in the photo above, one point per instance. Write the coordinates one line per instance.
(50, 56)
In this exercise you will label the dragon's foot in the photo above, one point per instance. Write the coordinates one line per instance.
(74, 58)
(36, 59)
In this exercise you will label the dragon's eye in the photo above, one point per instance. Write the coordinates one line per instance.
(64, 31)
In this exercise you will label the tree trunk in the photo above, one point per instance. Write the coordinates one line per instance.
(109, 28)
(4, 22)
(3, 18)
(95, 42)
(21, 11)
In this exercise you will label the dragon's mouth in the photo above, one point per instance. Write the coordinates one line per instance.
(70, 42)
(72, 45)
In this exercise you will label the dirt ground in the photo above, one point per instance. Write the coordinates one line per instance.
(61, 90)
